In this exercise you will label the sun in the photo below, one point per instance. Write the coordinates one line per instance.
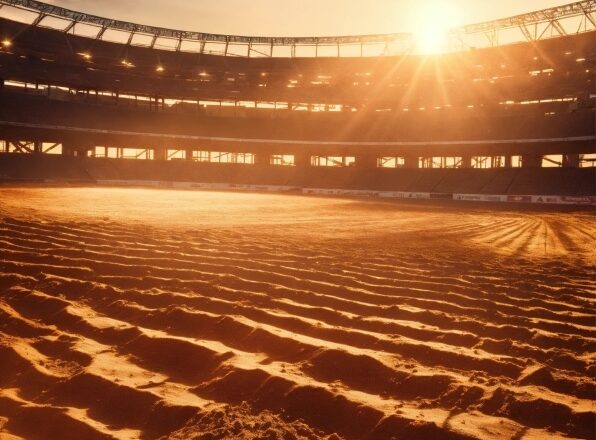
(433, 20)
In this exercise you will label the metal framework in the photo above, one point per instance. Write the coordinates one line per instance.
(531, 26)
(488, 161)
(537, 25)
(29, 147)
(391, 162)
(332, 161)
(223, 157)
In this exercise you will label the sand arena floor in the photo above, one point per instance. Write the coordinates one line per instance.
(134, 313)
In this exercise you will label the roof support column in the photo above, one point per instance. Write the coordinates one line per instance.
(160, 153)
(410, 161)
(531, 161)
(571, 160)
(366, 160)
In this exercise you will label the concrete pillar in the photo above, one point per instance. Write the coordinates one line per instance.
(466, 161)
(75, 149)
(68, 149)
(366, 161)
(262, 159)
(532, 161)
(37, 147)
(160, 153)
(83, 151)
(571, 160)
(302, 159)
(508, 161)
(410, 161)
(188, 153)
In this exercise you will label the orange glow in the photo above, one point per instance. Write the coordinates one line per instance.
(6, 43)
(434, 20)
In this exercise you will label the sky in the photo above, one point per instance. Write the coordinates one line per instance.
(305, 17)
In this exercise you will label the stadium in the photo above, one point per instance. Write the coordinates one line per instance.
(168, 271)
(303, 112)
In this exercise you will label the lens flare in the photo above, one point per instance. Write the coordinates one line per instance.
(434, 20)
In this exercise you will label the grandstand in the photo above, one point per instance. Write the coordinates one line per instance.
(508, 110)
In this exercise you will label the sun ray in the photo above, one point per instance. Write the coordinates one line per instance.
(434, 20)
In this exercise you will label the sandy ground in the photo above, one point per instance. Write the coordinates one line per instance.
(131, 313)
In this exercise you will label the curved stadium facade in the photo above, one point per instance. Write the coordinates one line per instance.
(507, 114)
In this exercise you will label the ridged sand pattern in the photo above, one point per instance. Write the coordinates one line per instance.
(128, 313)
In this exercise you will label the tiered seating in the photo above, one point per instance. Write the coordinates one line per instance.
(28, 167)
(500, 181)
(525, 181)
(376, 127)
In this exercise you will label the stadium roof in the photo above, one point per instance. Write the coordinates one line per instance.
(562, 20)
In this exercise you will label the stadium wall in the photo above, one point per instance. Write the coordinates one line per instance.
(521, 185)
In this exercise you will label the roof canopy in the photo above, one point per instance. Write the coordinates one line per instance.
(558, 21)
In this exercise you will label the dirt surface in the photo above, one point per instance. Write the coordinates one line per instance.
(146, 314)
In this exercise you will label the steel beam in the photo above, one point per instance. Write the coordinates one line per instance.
(56, 11)
(70, 27)
(546, 15)
(101, 32)
(551, 17)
